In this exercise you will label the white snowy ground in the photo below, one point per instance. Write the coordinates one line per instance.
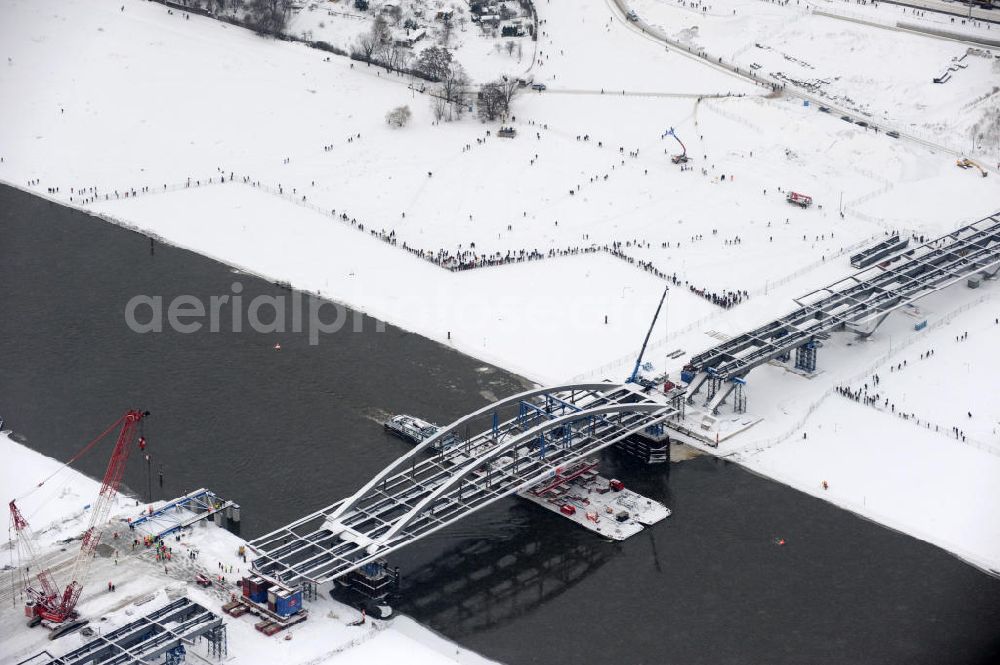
(142, 585)
(121, 100)
(912, 474)
(53, 509)
(860, 67)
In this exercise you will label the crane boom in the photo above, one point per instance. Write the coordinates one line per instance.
(46, 601)
(638, 361)
(681, 158)
(27, 552)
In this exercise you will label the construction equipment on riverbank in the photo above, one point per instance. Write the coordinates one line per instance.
(46, 602)
(683, 157)
(634, 377)
(966, 163)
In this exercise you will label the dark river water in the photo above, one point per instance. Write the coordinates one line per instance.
(286, 431)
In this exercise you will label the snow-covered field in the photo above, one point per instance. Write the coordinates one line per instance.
(55, 508)
(895, 457)
(137, 114)
(860, 67)
(143, 585)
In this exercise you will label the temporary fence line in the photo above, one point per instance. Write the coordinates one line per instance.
(770, 285)
(735, 117)
(938, 428)
(301, 200)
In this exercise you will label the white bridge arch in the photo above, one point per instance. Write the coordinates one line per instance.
(451, 475)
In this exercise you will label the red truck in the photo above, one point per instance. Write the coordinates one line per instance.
(801, 200)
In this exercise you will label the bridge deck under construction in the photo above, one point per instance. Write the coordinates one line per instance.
(426, 490)
(867, 296)
(147, 638)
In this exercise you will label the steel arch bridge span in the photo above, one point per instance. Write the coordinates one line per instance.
(504, 460)
(401, 506)
(454, 429)
(337, 509)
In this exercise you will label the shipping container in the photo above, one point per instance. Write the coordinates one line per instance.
(288, 603)
(258, 589)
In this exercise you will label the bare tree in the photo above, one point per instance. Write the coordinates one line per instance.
(398, 117)
(495, 98)
(986, 129)
(509, 46)
(395, 57)
(270, 17)
(371, 43)
(449, 98)
(490, 102)
(446, 28)
(453, 87)
(439, 106)
(509, 88)
(396, 14)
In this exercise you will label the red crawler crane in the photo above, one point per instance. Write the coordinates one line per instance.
(44, 598)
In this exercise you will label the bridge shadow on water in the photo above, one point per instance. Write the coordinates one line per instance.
(486, 582)
(711, 584)
(526, 558)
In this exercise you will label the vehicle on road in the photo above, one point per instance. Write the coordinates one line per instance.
(538, 86)
(894, 134)
(862, 123)
(824, 109)
(632, 16)
(846, 118)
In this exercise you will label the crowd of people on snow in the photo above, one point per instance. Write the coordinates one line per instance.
(457, 260)
(462, 258)
(876, 399)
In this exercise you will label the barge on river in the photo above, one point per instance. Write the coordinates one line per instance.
(577, 492)
(415, 430)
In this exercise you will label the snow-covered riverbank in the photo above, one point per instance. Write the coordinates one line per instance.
(130, 113)
(58, 510)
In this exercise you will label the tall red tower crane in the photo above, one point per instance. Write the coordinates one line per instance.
(45, 599)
